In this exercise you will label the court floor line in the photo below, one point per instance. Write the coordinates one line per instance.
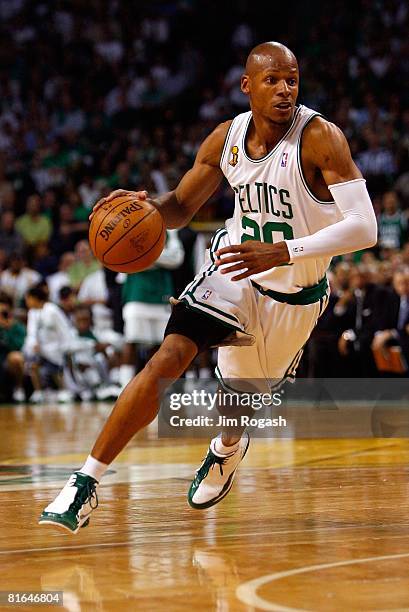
(247, 591)
(133, 542)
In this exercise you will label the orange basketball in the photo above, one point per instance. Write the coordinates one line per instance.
(127, 235)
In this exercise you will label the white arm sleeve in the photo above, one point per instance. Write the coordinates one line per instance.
(357, 230)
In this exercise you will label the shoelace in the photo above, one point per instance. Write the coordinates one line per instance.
(210, 461)
(84, 495)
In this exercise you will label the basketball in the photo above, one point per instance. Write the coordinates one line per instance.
(127, 235)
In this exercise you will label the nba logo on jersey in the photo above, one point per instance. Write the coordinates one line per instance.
(284, 160)
(207, 294)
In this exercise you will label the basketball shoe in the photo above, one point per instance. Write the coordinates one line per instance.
(73, 505)
(214, 478)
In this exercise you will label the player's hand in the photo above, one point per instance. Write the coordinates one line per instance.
(251, 257)
(138, 195)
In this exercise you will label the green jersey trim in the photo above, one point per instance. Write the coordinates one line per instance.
(308, 295)
(204, 308)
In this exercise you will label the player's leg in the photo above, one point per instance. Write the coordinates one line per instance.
(214, 478)
(187, 333)
(139, 402)
(135, 408)
(259, 368)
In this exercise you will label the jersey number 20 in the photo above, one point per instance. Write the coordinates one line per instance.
(267, 233)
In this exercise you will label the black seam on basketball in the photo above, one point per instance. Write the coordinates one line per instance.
(124, 263)
(127, 232)
(105, 216)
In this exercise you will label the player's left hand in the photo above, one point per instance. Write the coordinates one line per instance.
(251, 257)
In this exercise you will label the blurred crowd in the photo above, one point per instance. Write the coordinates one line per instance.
(100, 95)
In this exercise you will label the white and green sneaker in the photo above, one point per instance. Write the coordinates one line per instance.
(73, 505)
(214, 478)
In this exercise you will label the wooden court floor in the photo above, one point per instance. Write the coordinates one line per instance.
(318, 525)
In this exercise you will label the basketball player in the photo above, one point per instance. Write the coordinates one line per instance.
(299, 200)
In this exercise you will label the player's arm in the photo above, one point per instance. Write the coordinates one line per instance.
(328, 150)
(179, 206)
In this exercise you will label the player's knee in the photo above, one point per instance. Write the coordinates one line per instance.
(173, 357)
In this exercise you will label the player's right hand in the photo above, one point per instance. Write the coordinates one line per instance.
(138, 195)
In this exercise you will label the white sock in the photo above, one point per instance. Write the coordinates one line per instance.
(126, 373)
(225, 450)
(205, 373)
(93, 467)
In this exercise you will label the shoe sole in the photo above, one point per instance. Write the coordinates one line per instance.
(59, 526)
(216, 500)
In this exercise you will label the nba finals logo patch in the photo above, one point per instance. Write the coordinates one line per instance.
(284, 160)
(234, 156)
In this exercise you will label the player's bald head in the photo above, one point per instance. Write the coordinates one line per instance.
(269, 54)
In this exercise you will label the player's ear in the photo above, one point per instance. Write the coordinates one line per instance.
(245, 84)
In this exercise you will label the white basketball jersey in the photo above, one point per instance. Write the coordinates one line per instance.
(273, 201)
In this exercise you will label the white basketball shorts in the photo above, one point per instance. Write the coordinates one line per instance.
(268, 333)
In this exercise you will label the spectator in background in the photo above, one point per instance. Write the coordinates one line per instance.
(60, 279)
(397, 331)
(90, 361)
(67, 301)
(44, 262)
(17, 278)
(364, 310)
(377, 163)
(68, 232)
(84, 265)
(10, 240)
(93, 293)
(89, 191)
(12, 335)
(392, 223)
(146, 304)
(33, 226)
(49, 336)
(324, 360)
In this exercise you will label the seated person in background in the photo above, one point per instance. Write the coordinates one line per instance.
(49, 335)
(33, 226)
(364, 309)
(67, 301)
(60, 279)
(17, 278)
(93, 292)
(146, 307)
(85, 264)
(12, 334)
(398, 323)
(87, 371)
